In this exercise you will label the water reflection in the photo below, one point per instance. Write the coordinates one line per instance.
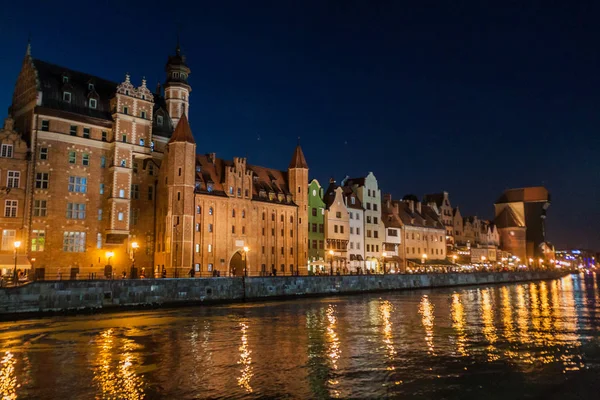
(427, 344)
(118, 381)
(245, 360)
(427, 317)
(457, 313)
(385, 310)
(8, 379)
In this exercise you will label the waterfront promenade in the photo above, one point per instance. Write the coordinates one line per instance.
(97, 295)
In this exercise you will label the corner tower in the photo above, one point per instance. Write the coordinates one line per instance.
(177, 208)
(298, 185)
(177, 89)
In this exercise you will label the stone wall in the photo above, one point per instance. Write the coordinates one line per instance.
(60, 296)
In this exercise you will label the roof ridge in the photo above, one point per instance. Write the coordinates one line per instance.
(74, 70)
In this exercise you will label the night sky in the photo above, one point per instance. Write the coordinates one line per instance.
(462, 97)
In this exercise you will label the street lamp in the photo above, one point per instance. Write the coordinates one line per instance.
(133, 273)
(331, 262)
(17, 244)
(246, 250)
(383, 256)
(423, 258)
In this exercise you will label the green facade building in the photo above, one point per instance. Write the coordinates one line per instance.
(316, 228)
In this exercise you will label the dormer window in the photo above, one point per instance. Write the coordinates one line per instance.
(159, 120)
(65, 79)
(127, 92)
(67, 97)
(209, 187)
(90, 86)
(93, 103)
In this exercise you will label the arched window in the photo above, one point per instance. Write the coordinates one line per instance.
(210, 211)
(243, 213)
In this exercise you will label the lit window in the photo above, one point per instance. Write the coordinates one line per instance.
(8, 239)
(210, 248)
(102, 188)
(122, 193)
(99, 241)
(197, 247)
(90, 86)
(142, 142)
(65, 79)
(120, 216)
(38, 239)
(99, 214)
(210, 211)
(74, 242)
(6, 151)
(72, 157)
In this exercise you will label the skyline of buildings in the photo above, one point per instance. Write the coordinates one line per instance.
(108, 173)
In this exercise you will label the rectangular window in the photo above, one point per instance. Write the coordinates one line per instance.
(143, 114)
(321, 245)
(124, 138)
(8, 239)
(135, 192)
(321, 228)
(197, 227)
(99, 214)
(102, 188)
(282, 251)
(122, 193)
(314, 228)
(392, 232)
(13, 179)
(73, 130)
(74, 242)
(159, 120)
(375, 206)
(358, 231)
(86, 133)
(125, 110)
(210, 228)
(134, 216)
(39, 208)
(375, 234)
(357, 245)
(368, 206)
(368, 233)
(352, 230)
(210, 248)
(104, 136)
(75, 211)
(232, 228)
(135, 167)
(291, 251)
(120, 216)
(150, 169)
(341, 228)
(67, 97)
(314, 212)
(72, 157)
(93, 103)
(38, 239)
(197, 246)
(45, 125)
(102, 162)
(43, 153)
(99, 240)
(368, 219)
(10, 208)
(335, 229)
(41, 180)
(351, 245)
(150, 192)
(85, 160)
(77, 184)
(314, 244)
(338, 214)
(6, 151)
(375, 220)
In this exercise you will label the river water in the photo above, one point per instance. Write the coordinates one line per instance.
(531, 340)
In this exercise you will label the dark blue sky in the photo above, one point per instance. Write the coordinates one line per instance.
(462, 97)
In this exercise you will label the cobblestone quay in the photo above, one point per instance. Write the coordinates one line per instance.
(87, 295)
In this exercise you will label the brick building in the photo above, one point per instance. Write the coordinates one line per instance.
(94, 182)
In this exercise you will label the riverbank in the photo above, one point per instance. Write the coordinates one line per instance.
(51, 297)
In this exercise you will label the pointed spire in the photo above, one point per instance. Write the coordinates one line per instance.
(182, 132)
(298, 160)
(28, 51)
(178, 48)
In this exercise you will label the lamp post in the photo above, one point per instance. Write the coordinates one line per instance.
(133, 273)
(541, 263)
(246, 250)
(530, 262)
(109, 255)
(423, 258)
(331, 262)
(383, 256)
(17, 244)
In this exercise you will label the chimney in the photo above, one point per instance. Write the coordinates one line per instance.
(411, 204)
(397, 208)
(9, 124)
(387, 199)
(213, 158)
(419, 207)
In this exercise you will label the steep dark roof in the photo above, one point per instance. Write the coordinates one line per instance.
(349, 194)
(298, 160)
(329, 196)
(160, 109)
(182, 132)
(437, 198)
(52, 87)
(354, 181)
(528, 194)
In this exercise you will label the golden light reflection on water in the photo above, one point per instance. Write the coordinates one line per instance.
(120, 381)
(427, 319)
(245, 361)
(8, 379)
(385, 310)
(507, 318)
(333, 346)
(489, 329)
(457, 313)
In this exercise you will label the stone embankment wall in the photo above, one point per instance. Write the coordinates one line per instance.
(60, 296)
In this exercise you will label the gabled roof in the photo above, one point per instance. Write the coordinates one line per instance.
(183, 132)
(298, 160)
(437, 198)
(349, 194)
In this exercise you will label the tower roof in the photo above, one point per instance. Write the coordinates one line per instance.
(182, 132)
(298, 160)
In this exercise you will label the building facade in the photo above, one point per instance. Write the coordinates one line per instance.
(356, 220)
(111, 183)
(441, 203)
(390, 215)
(337, 228)
(316, 228)
(367, 190)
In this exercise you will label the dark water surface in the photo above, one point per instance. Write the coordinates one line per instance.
(532, 340)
